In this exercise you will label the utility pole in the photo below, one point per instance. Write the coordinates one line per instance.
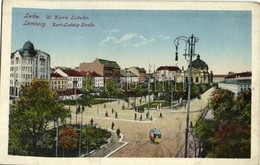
(190, 44)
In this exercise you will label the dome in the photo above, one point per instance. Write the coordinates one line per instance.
(199, 64)
(28, 49)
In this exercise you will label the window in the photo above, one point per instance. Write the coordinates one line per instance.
(197, 79)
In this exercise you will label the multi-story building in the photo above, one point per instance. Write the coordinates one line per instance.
(128, 77)
(105, 68)
(165, 73)
(58, 83)
(200, 73)
(28, 63)
(98, 80)
(236, 82)
(140, 72)
(74, 78)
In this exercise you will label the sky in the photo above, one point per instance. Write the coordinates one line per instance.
(137, 37)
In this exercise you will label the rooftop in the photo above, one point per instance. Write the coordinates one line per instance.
(56, 75)
(108, 63)
(90, 73)
(73, 73)
(239, 75)
(169, 68)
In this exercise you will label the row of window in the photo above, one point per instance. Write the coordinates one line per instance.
(58, 87)
(59, 82)
(75, 79)
(72, 85)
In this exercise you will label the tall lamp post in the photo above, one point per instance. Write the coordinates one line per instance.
(189, 53)
(75, 92)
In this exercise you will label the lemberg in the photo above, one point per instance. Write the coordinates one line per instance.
(35, 23)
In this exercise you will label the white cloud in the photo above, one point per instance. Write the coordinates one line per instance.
(127, 37)
(164, 37)
(108, 39)
(132, 39)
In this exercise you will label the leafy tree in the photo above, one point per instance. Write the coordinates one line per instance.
(88, 85)
(204, 130)
(88, 134)
(230, 135)
(242, 107)
(222, 101)
(231, 141)
(31, 115)
(68, 138)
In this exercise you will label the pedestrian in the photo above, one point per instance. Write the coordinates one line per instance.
(112, 110)
(106, 114)
(118, 132)
(104, 105)
(116, 115)
(141, 118)
(91, 121)
(191, 125)
(160, 115)
(112, 126)
(135, 116)
(147, 115)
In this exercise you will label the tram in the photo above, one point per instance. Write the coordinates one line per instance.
(155, 135)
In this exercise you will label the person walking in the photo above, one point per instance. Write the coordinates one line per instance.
(118, 132)
(112, 110)
(135, 116)
(141, 118)
(112, 125)
(160, 115)
(91, 121)
(116, 115)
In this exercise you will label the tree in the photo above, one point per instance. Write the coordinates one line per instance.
(31, 115)
(88, 133)
(88, 85)
(242, 107)
(204, 130)
(222, 101)
(68, 138)
(231, 141)
(230, 136)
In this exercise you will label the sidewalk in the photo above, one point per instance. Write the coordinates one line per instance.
(113, 146)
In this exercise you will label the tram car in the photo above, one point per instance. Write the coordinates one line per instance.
(155, 135)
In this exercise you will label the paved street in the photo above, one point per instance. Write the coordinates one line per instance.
(136, 132)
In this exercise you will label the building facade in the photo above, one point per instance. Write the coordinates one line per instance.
(96, 79)
(236, 82)
(105, 68)
(166, 73)
(74, 78)
(200, 73)
(128, 77)
(58, 83)
(140, 72)
(28, 63)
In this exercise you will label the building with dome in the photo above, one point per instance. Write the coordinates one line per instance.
(27, 63)
(200, 73)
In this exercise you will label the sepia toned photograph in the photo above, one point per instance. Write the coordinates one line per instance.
(130, 83)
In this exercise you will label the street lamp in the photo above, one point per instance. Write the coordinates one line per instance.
(190, 45)
(75, 92)
(149, 84)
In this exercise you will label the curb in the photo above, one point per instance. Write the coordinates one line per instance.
(120, 140)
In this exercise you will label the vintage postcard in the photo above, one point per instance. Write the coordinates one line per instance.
(106, 82)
